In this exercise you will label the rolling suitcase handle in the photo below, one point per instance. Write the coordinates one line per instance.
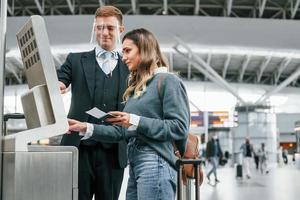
(8, 116)
(179, 165)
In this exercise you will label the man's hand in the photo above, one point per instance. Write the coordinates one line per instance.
(121, 119)
(76, 126)
(62, 87)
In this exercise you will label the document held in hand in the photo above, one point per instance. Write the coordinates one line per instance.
(99, 114)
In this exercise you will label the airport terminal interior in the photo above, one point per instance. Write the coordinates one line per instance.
(239, 61)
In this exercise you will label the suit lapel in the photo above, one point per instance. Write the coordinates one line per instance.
(123, 82)
(88, 62)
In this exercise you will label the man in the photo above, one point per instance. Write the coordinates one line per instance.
(213, 153)
(247, 150)
(98, 79)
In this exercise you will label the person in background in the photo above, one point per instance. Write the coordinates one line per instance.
(247, 151)
(294, 157)
(98, 79)
(202, 149)
(155, 117)
(279, 156)
(285, 156)
(213, 154)
(256, 158)
(263, 157)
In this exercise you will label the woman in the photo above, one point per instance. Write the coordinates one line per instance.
(156, 115)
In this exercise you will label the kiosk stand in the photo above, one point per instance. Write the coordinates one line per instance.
(39, 172)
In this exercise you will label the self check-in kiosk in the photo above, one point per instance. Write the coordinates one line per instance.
(39, 172)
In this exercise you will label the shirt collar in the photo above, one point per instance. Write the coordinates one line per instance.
(160, 70)
(99, 51)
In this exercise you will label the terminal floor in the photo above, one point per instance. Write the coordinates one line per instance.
(281, 183)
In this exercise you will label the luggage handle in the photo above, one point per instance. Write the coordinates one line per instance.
(8, 116)
(179, 165)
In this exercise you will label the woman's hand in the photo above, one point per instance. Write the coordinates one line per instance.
(120, 118)
(76, 126)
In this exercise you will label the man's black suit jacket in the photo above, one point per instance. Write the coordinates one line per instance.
(79, 70)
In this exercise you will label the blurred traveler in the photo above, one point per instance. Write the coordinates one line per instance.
(263, 158)
(247, 150)
(294, 157)
(213, 154)
(202, 150)
(285, 156)
(256, 158)
(279, 156)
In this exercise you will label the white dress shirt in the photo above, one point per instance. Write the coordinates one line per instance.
(107, 64)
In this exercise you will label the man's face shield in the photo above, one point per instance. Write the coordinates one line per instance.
(107, 33)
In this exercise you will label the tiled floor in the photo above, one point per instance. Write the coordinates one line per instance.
(282, 183)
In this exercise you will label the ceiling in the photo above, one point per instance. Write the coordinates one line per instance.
(252, 55)
(284, 9)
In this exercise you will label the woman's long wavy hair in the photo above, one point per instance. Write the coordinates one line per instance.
(150, 59)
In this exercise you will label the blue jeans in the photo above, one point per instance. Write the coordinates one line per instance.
(150, 176)
(214, 162)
